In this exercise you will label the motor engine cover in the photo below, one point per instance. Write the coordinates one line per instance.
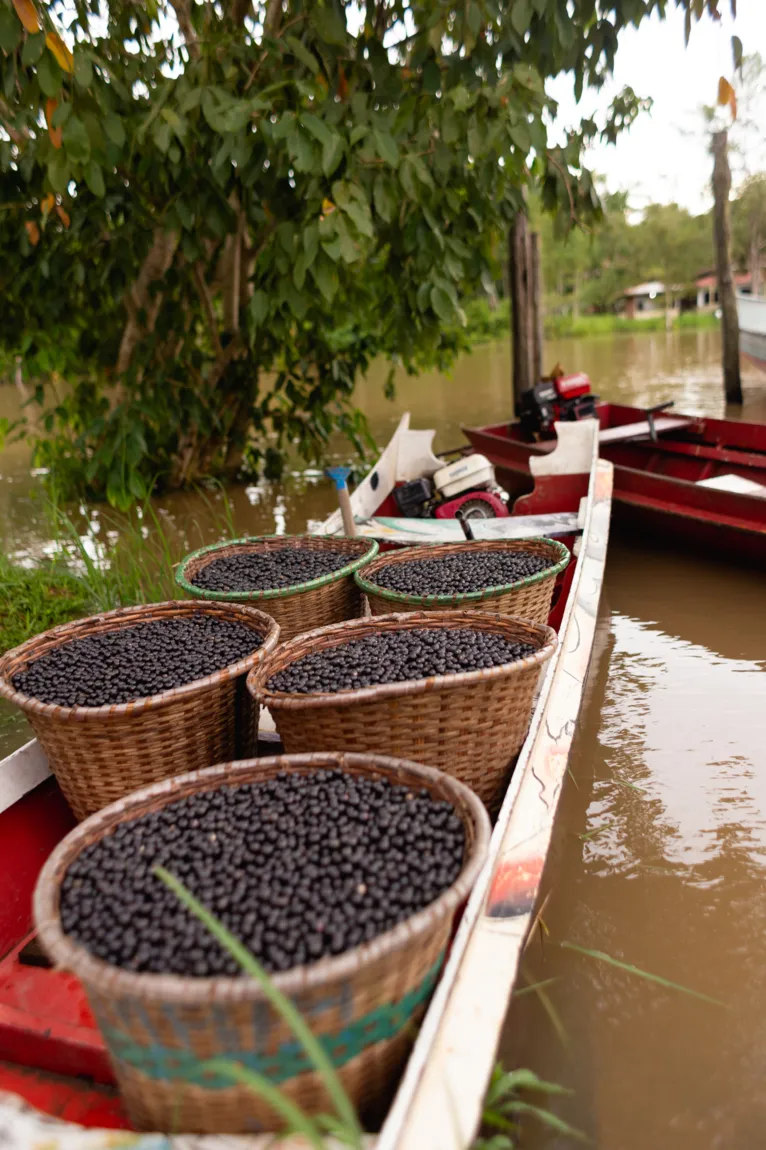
(474, 505)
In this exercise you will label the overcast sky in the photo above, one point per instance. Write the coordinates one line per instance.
(664, 157)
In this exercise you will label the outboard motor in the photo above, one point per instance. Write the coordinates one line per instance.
(562, 398)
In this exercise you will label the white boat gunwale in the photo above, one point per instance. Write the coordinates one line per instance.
(26, 768)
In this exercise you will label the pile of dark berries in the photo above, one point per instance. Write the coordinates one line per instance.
(300, 867)
(395, 657)
(460, 573)
(266, 570)
(133, 662)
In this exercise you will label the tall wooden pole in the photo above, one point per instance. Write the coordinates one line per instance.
(536, 316)
(524, 276)
(722, 233)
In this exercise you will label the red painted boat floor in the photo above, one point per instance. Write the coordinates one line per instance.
(69, 1099)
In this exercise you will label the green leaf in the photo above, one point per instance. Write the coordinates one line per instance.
(94, 178)
(295, 1119)
(332, 154)
(283, 1006)
(332, 248)
(600, 956)
(34, 46)
(360, 215)
(736, 48)
(311, 243)
(59, 171)
(301, 150)
(442, 304)
(76, 141)
(318, 128)
(348, 249)
(407, 177)
(385, 146)
(329, 25)
(325, 277)
(302, 53)
(83, 69)
(259, 307)
(384, 198)
(62, 114)
(299, 270)
(10, 30)
(521, 16)
(114, 129)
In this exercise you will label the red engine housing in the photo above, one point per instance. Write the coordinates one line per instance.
(450, 509)
(570, 386)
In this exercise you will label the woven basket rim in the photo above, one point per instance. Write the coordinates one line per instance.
(69, 955)
(411, 620)
(417, 553)
(274, 592)
(268, 628)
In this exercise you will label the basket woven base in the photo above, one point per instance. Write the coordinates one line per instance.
(176, 1106)
(318, 608)
(532, 603)
(151, 746)
(469, 733)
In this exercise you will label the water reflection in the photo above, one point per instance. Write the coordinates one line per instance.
(658, 861)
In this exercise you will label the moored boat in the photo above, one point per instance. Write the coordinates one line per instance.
(697, 481)
(51, 1055)
(751, 311)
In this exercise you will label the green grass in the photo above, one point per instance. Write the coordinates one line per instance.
(33, 600)
(131, 560)
(484, 325)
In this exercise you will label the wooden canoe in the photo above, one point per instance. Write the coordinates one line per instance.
(699, 482)
(56, 1086)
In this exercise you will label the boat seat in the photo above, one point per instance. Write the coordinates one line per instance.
(736, 484)
(642, 429)
(409, 531)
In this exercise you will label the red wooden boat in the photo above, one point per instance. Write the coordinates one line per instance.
(693, 480)
(56, 1083)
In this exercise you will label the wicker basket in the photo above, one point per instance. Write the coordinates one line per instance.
(99, 754)
(160, 1029)
(331, 598)
(528, 598)
(470, 725)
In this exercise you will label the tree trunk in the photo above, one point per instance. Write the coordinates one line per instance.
(521, 326)
(722, 232)
(537, 311)
(576, 295)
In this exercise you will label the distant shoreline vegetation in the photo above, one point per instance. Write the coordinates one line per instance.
(485, 325)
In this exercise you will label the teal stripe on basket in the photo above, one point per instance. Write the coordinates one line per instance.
(162, 1062)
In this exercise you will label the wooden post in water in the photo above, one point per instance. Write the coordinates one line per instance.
(524, 275)
(536, 316)
(722, 232)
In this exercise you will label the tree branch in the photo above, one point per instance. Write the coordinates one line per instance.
(183, 15)
(158, 260)
(207, 306)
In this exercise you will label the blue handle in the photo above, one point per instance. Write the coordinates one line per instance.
(339, 475)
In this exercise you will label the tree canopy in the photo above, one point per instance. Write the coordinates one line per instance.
(213, 215)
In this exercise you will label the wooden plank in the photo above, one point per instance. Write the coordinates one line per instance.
(638, 430)
(438, 1105)
(553, 524)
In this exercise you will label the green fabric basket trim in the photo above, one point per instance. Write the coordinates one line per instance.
(274, 593)
(164, 1063)
(471, 596)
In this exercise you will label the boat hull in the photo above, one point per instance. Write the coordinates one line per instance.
(660, 488)
(752, 329)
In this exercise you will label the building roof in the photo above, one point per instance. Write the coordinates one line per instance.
(710, 280)
(652, 288)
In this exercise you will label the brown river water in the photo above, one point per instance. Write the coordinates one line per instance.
(659, 855)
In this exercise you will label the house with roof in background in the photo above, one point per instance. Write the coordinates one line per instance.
(647, 300)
